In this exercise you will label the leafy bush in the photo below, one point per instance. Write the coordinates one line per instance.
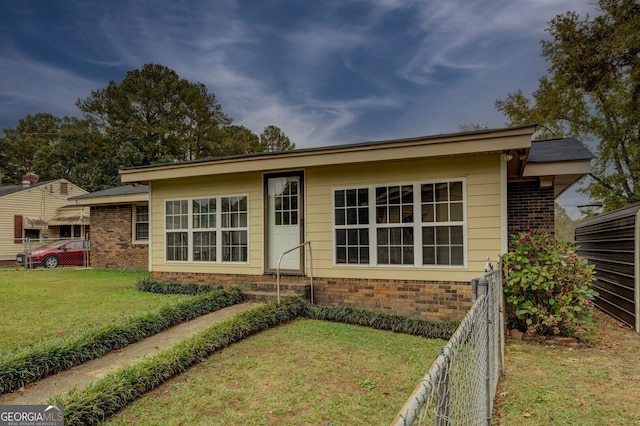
(547, 286)
(396, 323)
(150, 285)
(55, 355)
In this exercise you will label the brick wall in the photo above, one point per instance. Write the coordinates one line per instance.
(530, 207)
(422, 299)
(111, 239)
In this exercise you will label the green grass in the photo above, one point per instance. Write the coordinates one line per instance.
(40, 304)
(305, 372)
(553, 385)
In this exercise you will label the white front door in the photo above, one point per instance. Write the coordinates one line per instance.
(284, 221)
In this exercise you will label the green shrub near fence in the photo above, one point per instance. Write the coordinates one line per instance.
(547, 286)
(380, 321)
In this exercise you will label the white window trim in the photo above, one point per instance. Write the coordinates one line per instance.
(218, 230)
(134, 239)
(417, 226)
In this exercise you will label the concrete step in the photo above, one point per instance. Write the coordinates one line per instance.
(265, 290)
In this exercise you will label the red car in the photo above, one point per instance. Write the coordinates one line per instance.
(75, 252)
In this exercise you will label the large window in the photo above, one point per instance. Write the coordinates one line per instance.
(177, 226)
(352, 230)
(234, 229)
(418, 224)
(394, 225)
(442, 223)
(211, 229)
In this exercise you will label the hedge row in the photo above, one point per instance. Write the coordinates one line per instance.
(55, 355)
(110, 394)
(163, 287)
(396, 323)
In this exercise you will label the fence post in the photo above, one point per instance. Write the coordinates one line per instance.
(474, 289)
(484, 287)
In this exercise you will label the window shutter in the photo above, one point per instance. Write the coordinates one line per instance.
(17, 229)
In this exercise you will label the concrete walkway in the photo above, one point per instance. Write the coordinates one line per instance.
(83, 374)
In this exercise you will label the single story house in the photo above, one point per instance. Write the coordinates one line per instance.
(39, 211)
(120, 225)
(396, 226)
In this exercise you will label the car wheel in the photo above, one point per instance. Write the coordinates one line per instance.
(50, 262)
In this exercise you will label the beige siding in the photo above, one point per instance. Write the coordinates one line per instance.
(41, 201)
(481, 172)
(249, 184)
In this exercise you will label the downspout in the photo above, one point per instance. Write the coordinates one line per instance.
(150, 242)
(504, 213)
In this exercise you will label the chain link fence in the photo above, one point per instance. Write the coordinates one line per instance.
(48, 253)
(460, 386)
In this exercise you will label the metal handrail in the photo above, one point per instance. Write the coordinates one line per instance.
(310, 267)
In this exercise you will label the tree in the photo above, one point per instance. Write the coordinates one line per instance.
(565, 227)
(20, 146)
(273, 139)
(165, 118)
(592, 91)
(236, 140)
(151, 117)
(472, 127)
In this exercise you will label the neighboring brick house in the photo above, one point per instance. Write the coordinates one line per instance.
(120, 227)
(548, 169)
(397, 226)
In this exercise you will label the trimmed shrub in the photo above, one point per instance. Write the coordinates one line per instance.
(55, 355)
(150, 285)
(396, 323)
(547, 286)
(110, 394)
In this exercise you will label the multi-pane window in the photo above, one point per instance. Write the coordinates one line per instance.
(352, 231)
(177, 225)
(442, 223)
(234, 229)
(204, 240)
(420, 224)
(204, 246)
(141, 222)
(394, 225)
(207, 229)
(204, 213)
(286, 203)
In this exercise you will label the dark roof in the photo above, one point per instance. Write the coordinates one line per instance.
(556, 150)
(12, 189)
(119, 190)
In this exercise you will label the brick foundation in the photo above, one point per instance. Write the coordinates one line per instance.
(111, 239)
(423, 299)
(530, 207)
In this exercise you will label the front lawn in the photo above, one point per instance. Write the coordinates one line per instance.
(554, 385)
(305, 372)
(41, 303)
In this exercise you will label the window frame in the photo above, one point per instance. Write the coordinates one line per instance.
(416, 225)
(134, 229)
(216, 228)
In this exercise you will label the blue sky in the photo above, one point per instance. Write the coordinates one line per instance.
(325, 72)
